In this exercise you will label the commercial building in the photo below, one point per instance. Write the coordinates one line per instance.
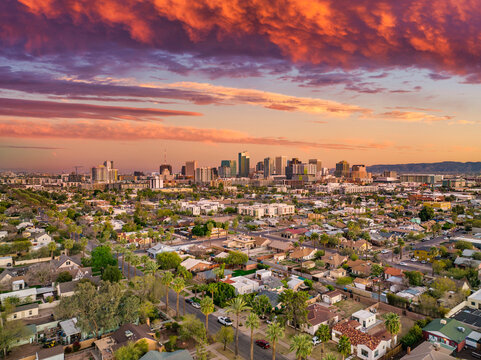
(190, 167)
(244, 164)
(268, 167)
(359, 172)
(105, 173)
(165, 169)
(204, 174)
(270, 210)
(342, 169)
(155, 182)
(227, 169)
(318, 164)
(430, 179)
(281, 163)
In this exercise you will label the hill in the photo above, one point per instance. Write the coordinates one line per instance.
(445, 167)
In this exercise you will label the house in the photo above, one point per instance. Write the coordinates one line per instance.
(263, 274)
(243, 285)
(333, 260)
(54, 353)
(24, 312)
(293, 233)
(302, 254)
(273, 297)
(318, 315)
(40, 240)
(196, 265)
(362, 284)
(240, 242)
(365, 318)
(449, 332)
(105, 348)
(362, 269)
(392, 272)
(159, 248)
(175, 355)
(294, 283)
(249, 265)
(65, 263)
(338, 273)
(261, 242)
(23, 295)
(6, 262)
(70, 332)
(429, 351)
(463, 262)
(280, 246)
(332, 297)
(363, 345)
(474, 300)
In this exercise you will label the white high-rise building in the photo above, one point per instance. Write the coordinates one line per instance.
(280, 166)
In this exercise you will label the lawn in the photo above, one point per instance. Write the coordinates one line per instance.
(227, 353)
(330, 347)
(243, 272)
(348, 307)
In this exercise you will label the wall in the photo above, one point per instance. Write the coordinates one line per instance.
(455, 309)
(32, 261)
(48, 305)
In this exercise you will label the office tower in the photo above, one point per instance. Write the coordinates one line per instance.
(304, 169)
(165, 169)
(190, 167)
(281, 163)
(204, 174)
(359, 172)
(228, 169)
(268, 167)
(244, 164)
(290, 167)
(182, 170)
(318, 164)
(259, 166)
(105, 173)
(155, 182)
(342, 169)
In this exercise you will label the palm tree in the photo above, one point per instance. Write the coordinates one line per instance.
(401, 243)
(302, 345)
(83, 244)
(135, 261)
(178, 285)
(237, 306)
(206, 308)
(166, 280)
(252, 323)
(151, 267)
(212, 288)
(68, 244)
(393, 324)
(324, 334)
(329, 356)
(344, 346)
(315, 238)
(52, 246)
(274, 332)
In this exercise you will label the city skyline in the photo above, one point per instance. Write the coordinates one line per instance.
(375, 83)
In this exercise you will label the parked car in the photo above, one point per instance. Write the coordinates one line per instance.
(316, 340)
(423, 262)
(224, 320)
(263, 344)
(414, 259)
(403, 263)
(189, 301)
(385, 251)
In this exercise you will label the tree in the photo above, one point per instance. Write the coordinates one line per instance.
(112, 274)
(415, 278)
(224, 293)
(376, 270)
(236, 258)
(426, 213)
(393, 324)
(52, 246)
(295, 306)
(261, 305)
(225, 335)
(344, 346)
(206, 308)
(64, 276)
(166, 280)
(83, 244)
(101, 257)
(193, 328)
(178, 285)
(302, 345)
(134, 261)
(212, 288)
(401, 244)
(132, 351)
(151, 267)
(252, 323)
(68, 245)
(168, 260)
(236, 307)
(10, 331)
(274, 333)
(324, 334)
(329, 356)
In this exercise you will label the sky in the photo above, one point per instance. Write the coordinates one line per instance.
(140, 81)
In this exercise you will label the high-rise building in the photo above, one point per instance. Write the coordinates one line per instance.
(342, 169)
(268, 167)
(105, 173)
(190, 167)
(290, 167)
(359, 172)
(281, 163)
(318, 164)
(204, 174)
(259, 166)
(155, 182)
(244, 164)
(228, 169)
(165, 169)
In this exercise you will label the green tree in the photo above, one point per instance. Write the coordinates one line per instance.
(101, 257)
(252, 323)
(301, 344)
(68, 245)
(236, 307)
(112, 274)
(225, 335)
(52, 246)
(376, 270)
(393, 324)
(132, 351)
(10, 331)
(236, 258)
(415, 278)
(324, 334)
(426, 213)
(274, 333)
(261, 305)
(295, 306)
(207, 308)
(344, 346)
(329, 356)
(64, 276)
(167, 278)
(168, 260)
(193, 328)
(178, 285)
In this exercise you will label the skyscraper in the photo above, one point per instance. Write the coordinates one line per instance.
(281, 163)
(165, 167)
(105, 173)
(228, 168)
(359, 172)
(318, 164)
(342, 169)
(244, 164)
(190, 167)
(268, 167)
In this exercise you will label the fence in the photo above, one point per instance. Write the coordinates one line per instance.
(455, 309)
(391, 353)
(32, 261)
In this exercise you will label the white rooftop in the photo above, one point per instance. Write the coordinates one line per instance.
(363, 314)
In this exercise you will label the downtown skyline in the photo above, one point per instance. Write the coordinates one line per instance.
(371, 83)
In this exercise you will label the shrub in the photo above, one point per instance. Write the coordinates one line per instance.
(76, 346)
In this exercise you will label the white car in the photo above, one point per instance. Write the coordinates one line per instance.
(385, 251)
(403, 263)
(196, 305)
(224, 320)
(316, 341)
(414, 259)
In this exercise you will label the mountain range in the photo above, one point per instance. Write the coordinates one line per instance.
(445, 167)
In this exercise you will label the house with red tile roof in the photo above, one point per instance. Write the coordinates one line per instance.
(318, 315)
(363, 345)
(392, 271)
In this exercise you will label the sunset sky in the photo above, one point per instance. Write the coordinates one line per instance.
(373, 82)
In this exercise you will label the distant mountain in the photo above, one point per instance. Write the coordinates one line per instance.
(445, 167)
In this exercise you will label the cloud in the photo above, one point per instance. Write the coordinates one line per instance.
(130, 131)
(30, 147)
(413, 116)
(377, 34)
(70, 110)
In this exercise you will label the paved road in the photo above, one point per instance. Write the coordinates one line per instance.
(214, 327)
